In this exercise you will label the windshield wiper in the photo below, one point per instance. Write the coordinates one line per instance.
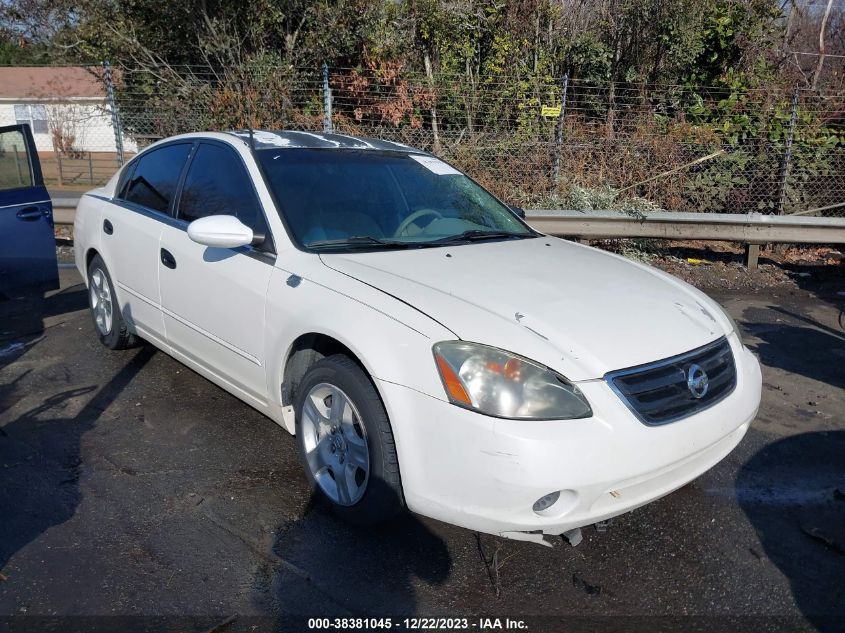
(357, 241)
(476, 235)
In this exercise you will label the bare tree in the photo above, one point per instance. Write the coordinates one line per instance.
(820, 62)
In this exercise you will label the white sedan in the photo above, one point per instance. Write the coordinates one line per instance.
(428, 349)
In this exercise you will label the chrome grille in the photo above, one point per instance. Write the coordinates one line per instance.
(659, 393)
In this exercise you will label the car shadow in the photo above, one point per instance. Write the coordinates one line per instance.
(23, 318)
(40, 459)
(793, 492)
(22, 325)
(784, 343)
(334, 569)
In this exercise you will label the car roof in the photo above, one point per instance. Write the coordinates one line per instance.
(290, 139)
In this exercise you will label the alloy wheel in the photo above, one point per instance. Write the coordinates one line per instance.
(335, 442)
(101, 301)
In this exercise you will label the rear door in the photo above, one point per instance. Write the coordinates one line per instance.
(27, 242)
(132, 225)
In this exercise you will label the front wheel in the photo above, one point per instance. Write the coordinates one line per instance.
(105, 311)
(346, 442)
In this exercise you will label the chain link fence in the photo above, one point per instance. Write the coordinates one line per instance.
(539, 142)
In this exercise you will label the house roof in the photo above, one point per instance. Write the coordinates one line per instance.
(51, 82)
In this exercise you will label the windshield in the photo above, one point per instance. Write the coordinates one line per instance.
(374, 199)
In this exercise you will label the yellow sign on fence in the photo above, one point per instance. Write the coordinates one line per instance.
(550, 111)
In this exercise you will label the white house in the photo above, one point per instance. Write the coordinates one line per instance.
(65, 106)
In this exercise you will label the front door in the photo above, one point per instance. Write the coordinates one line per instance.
(27, 242)
(213, 298)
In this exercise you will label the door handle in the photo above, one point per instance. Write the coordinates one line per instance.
(108, 229)
(29, 214)
(167, 258)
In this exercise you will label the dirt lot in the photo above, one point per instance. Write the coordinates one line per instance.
(137, 492)
(720, 266)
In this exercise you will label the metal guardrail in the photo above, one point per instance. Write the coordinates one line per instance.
(64, 210)
(751, 229)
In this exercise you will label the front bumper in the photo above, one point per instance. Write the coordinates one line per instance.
(485, 474)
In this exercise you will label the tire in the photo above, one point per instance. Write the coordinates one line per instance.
(112, 331)
(329, 450)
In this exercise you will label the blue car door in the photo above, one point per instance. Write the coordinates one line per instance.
(27, 242)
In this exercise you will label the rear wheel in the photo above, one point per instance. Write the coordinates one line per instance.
(108, 320)
(346, 442)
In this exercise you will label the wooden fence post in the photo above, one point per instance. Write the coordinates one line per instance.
(752, 256)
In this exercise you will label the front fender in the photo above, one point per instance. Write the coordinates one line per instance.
(391, 339)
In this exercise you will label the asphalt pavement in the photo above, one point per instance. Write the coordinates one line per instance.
(133, 490)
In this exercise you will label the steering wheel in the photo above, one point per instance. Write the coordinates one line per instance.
(416, 215)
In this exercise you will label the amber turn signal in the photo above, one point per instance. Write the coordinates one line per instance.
(451, 381)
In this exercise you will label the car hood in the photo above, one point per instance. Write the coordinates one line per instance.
(578, 310)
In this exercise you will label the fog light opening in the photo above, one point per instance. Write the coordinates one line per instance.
(544, 503)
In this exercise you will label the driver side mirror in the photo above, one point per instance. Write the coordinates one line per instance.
(519, 211)
(220, 231)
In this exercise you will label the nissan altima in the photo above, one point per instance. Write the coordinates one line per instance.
(424, 344)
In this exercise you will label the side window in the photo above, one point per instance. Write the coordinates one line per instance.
(153, 183)
(218, 184)
(14, 161)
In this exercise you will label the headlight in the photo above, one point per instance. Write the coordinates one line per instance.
(498, 383)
